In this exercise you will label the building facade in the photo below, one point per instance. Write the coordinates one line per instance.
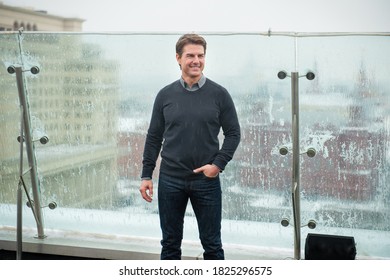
(72, 100)
(14, 18)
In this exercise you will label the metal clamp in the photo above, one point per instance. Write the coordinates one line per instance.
(310, 152)
(43, 140)
(309, 75)
(52, 205)
(34, 70)
(312, 224)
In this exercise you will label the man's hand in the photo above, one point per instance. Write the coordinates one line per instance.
(209, 170)
(146, 190)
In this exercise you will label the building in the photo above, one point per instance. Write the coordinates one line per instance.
(74, 105)
(13, 18)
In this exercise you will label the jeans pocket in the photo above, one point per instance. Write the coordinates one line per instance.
(210, 178)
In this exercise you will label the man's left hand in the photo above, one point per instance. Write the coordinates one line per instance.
(209, 170)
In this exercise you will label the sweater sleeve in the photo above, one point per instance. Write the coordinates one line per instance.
(231, 130)
(153, 140)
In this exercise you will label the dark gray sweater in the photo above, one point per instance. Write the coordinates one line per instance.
(186, 124)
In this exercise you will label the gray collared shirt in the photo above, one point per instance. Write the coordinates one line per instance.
(195, 86)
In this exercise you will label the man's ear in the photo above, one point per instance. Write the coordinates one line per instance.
(178, 59)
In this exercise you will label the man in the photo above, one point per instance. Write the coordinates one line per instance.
(186, 119)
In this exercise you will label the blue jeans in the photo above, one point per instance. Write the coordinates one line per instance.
(206, 198)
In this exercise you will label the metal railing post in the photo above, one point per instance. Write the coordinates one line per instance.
(295, 164)
(296, 153)
(30, 150)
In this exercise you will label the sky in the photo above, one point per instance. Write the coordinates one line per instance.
(220, 15)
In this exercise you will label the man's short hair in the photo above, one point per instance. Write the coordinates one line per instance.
(189, 39)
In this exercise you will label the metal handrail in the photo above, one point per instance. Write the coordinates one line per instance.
(268, 33)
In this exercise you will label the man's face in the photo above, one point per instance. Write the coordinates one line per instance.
(192, 61)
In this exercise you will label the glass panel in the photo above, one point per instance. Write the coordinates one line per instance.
(344, 116)
(93, 99)
(9, 124)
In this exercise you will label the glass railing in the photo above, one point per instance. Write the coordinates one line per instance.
(93, 96)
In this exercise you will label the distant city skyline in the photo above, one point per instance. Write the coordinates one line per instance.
(220, 15)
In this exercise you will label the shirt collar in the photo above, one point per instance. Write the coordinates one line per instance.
(195, 86)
